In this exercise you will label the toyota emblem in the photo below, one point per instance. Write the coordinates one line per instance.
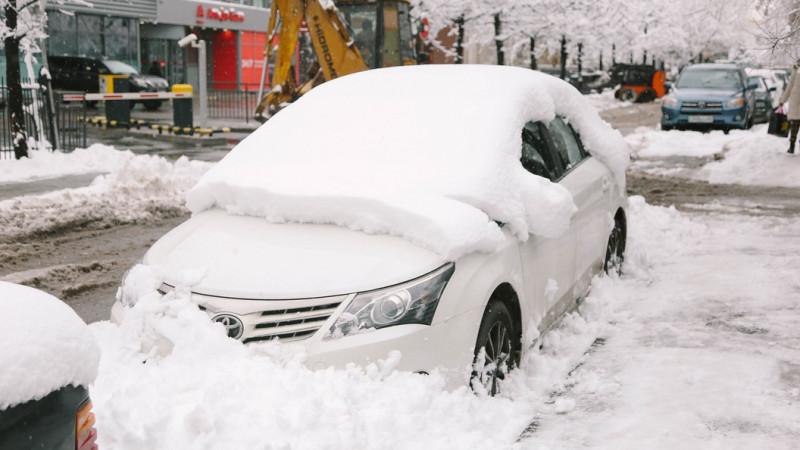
(233, 326)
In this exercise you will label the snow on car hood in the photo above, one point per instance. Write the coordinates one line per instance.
(429, 153)
(44, 345)
(247, 257)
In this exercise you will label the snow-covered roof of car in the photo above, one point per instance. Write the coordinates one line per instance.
(44, 345)
(429, 153)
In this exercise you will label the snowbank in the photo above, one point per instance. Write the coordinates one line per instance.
(429, 153)
(44, 345)
(138, 188)
(743, 157)
(42, 164)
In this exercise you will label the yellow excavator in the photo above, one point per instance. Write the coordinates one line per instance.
(347, 37)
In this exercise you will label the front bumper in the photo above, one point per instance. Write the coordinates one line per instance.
(445, 346)
(696, 118)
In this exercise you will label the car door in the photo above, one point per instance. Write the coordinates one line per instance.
(590, 183)
(548, 263)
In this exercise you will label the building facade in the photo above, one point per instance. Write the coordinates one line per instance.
(145, 34)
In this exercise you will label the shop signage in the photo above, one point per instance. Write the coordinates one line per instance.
(218, 15)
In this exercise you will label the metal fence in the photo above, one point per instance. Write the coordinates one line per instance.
(235, 105)
(35, 113)
(70, 117)
(57, 126)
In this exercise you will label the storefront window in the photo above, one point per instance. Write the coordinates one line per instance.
(92, 35)
(91, 28)
(63, 34)
(120, 42)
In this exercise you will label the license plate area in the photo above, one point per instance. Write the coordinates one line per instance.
(698, 118)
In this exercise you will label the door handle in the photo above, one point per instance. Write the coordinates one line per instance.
(606, 184)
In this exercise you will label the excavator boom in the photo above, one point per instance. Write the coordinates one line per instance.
(333, 46)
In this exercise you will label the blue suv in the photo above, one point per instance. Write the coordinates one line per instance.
(709, 96)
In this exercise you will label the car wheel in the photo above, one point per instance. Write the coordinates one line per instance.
(628, 95)
(666, 127)
(152, 105)
(615, 250)
(495, 349)
(91, 104)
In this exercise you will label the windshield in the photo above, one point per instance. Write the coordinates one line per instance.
(723, 79)
(120, 68)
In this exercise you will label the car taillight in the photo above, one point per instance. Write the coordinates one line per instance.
(85, 433)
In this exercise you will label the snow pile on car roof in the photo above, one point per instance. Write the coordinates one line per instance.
(429, 153)
(44, 345)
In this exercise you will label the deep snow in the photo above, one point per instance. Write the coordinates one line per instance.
(695, 346)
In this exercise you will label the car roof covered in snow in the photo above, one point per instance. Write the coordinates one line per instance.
(429, 153)
(44, 345)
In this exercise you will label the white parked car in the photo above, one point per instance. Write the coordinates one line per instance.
(775, 85)
(448, 212)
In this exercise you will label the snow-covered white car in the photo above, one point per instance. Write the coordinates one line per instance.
(405, 210)
(48, 358)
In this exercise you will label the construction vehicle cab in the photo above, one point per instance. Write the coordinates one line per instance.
(346, 37)
(638, 82)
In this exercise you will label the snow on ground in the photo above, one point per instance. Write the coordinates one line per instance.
(606, 100)
(136, 188)
(742, 157)
(44, 164)
(695, 346)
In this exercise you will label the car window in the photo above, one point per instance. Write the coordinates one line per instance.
(535, 154)
(567, 146)
(710, 79)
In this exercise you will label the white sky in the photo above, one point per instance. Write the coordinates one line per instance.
(700, 345)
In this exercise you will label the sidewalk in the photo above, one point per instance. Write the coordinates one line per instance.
(151, 141)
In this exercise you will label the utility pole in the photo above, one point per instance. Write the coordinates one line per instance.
(19, 137)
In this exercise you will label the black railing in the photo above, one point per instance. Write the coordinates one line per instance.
(235, 105)
(71, 121)
(35, 107)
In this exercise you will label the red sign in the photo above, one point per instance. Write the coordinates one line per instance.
(218, 14)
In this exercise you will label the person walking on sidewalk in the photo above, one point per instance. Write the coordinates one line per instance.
(792, 95)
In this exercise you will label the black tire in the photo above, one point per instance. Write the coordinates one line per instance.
(647, 96)
(615, 249)
(496, 349)
(152, 105)
(666, 127)
(628, 95)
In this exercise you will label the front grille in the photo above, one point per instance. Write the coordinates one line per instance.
(701, 105)
(267, 319)
(292, 323)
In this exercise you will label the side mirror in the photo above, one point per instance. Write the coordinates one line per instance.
(773, 89)
(667, 85)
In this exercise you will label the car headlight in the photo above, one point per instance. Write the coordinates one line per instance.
(735, 102)
(414, 301)
(670, 102)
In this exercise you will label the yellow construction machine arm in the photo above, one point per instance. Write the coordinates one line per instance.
(332, 44)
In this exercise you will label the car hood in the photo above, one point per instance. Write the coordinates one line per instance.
(704, 94)
(249, 257)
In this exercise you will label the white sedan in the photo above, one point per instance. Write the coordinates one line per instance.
(451, 213)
